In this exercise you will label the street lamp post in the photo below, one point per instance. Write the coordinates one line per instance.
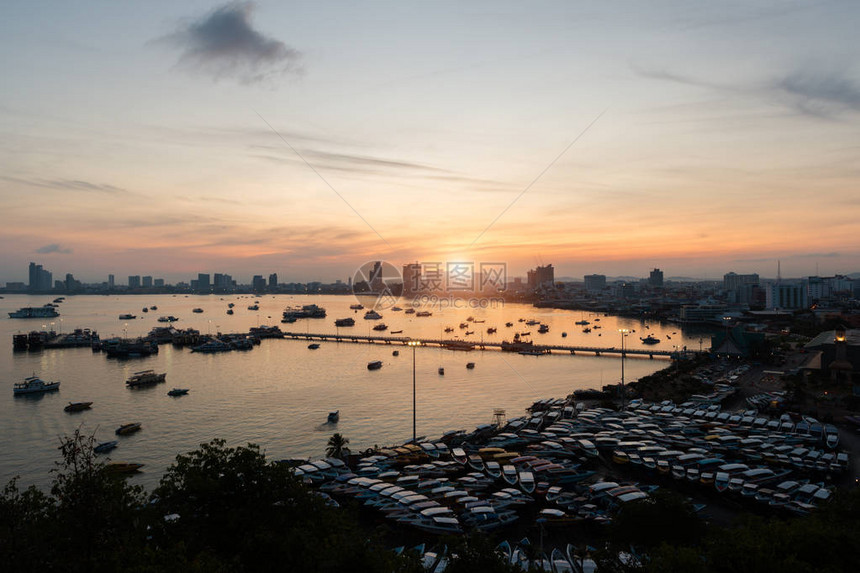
(413, 344)
(623, 332)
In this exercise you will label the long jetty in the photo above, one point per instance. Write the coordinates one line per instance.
(459, 344)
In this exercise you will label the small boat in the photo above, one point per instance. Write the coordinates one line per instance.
(197, 310)
(254, 307)
(34, 385)
(543, 329)
(441, 371)
(349, 321)
(127, 429)
(509, 324)
(122, 468)
(491, 330)
(381, 326)
(313, 346)
(127, 316)
(144, 309)
(356, 307)
(333, 417)
(649, 340)
(153, 308)
(178, 392)
(231, 305)
(564, 335)
(424, 313)
(372, 315)
(375, 365)
(396, 332)
(470, 365)
(449, 329)
(77, 406)
(170, 318)
(409, 311)
(105, 447)
(229, 311)
(396, 309)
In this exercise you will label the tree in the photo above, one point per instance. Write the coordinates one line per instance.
(337, 446)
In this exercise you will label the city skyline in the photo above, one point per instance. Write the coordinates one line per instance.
(306, 140)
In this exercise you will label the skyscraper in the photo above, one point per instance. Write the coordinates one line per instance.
(203, 284)
(655, 280)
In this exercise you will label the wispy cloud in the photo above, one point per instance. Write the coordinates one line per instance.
(53, 248)
(819, 93)
(66, 184)
(224, 44)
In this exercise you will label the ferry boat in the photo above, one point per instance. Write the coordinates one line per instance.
(145, 378)
(372, 315)
(649, 340)
(35, 312)
(306, 311)
(345, 322)
(375, 365)
(77, 406)
(126, 429)
(34, 385)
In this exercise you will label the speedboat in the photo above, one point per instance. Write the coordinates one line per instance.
(375, 365)
(34, 385)
(333, 417)
(313, 346)
(127, 316)
(126, 429)
(105, 447)
(178, 392)
(77, 406)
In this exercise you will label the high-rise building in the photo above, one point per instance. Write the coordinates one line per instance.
(134, 281)
(111, 281)
(40, 279)
(655, 279)
(595, 283)
(146, 282)
(541, 277)
(411, 278)
(733, 281)
(273, 281)
(782, 296)
(258, 283)
(158, 282)
(203, 284)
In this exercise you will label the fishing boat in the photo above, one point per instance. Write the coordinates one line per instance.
(178, 392)
(491, 330)
(78, 406)
(409, 311)
(127, 429)
(105, 447)
(424, 313)
(313, 346)
(381, 326)
(375, 365)
(127, 317)
(34, 385)
(333, 417)
(470, 365)
(145, 378)
(372, 315)
(349, 321)
(449, 329)
(649, 340)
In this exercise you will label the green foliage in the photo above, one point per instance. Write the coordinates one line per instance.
(476, 553)
(337, 446)
(664, 518)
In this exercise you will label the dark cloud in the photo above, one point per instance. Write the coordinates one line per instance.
(224, 44)
(53, 248)
(66, 184)
(819, 93)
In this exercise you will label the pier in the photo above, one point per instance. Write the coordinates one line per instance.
(465, 345)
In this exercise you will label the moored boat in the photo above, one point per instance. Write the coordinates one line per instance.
(105, 447)
(126, 429)
(34, 385)
(375, 365)
(122, 467)
(77, 406)
(178, 392)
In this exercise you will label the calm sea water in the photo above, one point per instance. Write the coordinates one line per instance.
(279, 394)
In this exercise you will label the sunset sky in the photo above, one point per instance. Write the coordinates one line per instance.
(305, 138)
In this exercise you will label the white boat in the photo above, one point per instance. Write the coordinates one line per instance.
(34, 385)
(527, 481)
(35, 312)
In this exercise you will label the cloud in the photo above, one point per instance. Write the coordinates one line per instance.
(818, 93)
(224, 44)
(66, 184)
(53, 248)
